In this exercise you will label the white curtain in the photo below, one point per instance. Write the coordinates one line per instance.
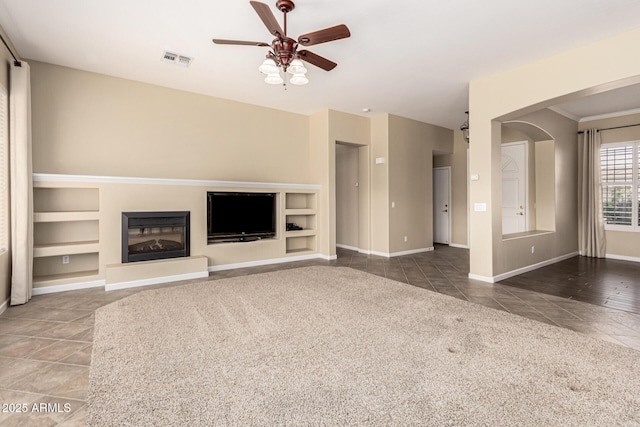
(591, 235)
(21, 189)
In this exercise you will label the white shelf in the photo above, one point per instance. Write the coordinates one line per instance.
(66, 248)
(66, 216)
(300, 212)
(300, 233)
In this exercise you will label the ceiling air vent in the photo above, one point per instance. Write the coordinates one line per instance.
(174, 58)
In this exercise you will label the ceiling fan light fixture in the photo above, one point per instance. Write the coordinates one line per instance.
(273, 79)
(284, 56)
(299, 80)
(465, 128)
(296, 67)
(269, 66)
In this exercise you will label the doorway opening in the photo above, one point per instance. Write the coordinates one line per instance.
(442, 205)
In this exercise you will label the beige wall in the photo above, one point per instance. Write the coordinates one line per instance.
(515, 92)
(619, 243)
(459, 186)
(92, 124)
(411, 147)
(380, 204)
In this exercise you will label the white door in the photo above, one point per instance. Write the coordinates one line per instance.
(514, 187)
(441, 204)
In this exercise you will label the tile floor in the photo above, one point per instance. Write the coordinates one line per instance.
(45, 345)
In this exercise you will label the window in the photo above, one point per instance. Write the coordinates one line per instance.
(620, 165)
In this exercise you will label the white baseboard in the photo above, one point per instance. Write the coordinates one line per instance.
(499, 277)
(395, 254)
(4, 306)
(347, 247)
(155, 281)
(457, 245)
(258, 263)
(622, 257)
(353, 248)
(70, 287)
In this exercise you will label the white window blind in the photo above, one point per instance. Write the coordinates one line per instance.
(4, 168)
(620, 191)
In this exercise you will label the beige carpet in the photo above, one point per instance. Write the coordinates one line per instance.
(336, 347)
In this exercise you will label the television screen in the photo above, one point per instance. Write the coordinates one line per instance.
(240, 216)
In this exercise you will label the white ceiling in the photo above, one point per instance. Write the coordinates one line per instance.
(412, 58)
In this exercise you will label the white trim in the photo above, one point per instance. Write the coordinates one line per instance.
(353, 248)
(457, 245)
(622, 257)
(487, 279)
(46, 177)
(522, 270)
(347, 247)
(610, 115)
(70, 287)
(409, 252)
(155, 281)
(213, 268)
(565, 113)
(4, 306)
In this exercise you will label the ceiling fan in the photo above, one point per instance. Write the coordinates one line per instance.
(284, 53)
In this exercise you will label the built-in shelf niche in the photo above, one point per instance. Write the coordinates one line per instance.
(301, 209)
(66, 224)
(50, 271)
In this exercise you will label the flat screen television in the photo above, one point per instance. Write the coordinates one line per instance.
(240, 217)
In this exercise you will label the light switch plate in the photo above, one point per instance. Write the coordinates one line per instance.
(480, 207)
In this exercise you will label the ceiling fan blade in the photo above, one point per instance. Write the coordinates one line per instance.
(240, 42)
(327, 35)
(316, 60)
(264, 12)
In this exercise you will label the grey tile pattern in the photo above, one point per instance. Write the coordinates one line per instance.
(45, 345)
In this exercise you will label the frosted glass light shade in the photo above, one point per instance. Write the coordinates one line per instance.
(268, 67)
(299, 79)
(273, 79)
(296, 67)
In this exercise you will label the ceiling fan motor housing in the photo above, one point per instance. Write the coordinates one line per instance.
(284, 49)
(285, 6)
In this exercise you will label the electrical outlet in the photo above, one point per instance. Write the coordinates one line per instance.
(65, 259)
(533, 249)
(405, 238)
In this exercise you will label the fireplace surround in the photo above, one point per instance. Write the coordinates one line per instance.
(155, 235)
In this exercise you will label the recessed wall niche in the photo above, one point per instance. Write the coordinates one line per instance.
(534, 208)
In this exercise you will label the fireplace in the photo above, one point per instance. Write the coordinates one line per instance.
(154, 235)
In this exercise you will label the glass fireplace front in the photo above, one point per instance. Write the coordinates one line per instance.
(154, 235)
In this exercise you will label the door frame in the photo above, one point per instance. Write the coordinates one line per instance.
(448, 169)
